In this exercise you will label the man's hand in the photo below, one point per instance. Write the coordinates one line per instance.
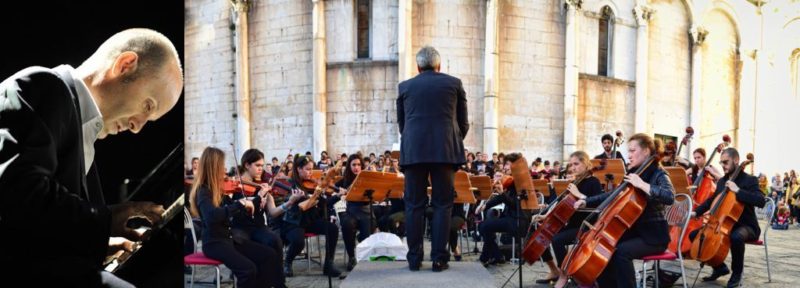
(122, 213)
(732, 186)
(119, 243)
(579, 204)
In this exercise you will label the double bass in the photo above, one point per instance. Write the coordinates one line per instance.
(703, 187)
(684, 142)
(618, 213)
(712, 243)
(560, 211)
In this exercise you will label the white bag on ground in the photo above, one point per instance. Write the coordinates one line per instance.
(381, 244)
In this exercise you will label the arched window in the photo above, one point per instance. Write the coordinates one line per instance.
(605, 46)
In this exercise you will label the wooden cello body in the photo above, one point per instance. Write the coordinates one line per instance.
(540, 240)
(619, 212)
(712, 243)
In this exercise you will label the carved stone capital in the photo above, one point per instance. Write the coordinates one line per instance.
(698, 34)
(573, 4)
(642, 13)
(241, 6)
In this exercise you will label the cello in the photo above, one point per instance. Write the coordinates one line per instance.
(712, 243)
(559, 213)
(618, 213)
(684, 142)
(703, 187)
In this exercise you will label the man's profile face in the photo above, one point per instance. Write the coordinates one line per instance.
(129, 104)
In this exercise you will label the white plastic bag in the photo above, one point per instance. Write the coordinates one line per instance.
(381, 244)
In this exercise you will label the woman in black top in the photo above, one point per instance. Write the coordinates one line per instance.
(650, 233)
(357, 217)
(295, 222)
(254, 265)
(580, 168)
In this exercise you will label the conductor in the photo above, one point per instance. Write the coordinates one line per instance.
(432, 115)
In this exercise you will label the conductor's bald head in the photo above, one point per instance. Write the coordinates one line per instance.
(135, 76)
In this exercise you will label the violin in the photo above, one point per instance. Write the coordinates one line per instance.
(713, 240)
(586, 260)
(320, 186)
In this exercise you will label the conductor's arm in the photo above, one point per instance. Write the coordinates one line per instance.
(461, 112)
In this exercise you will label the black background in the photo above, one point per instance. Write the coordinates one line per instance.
(51, 33)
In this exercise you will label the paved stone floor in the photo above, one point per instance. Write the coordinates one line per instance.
(784, 254)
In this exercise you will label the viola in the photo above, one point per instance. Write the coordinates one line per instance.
(712, 242)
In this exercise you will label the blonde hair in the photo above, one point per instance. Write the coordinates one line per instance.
(209, 174)
(584, 159)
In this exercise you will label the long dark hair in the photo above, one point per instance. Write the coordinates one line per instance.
(349, 175)
(299, 162)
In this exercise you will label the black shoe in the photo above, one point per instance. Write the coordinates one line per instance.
(351, 264)
(287, 270)
(440, 266)
(329, 270)
(457, 257)
(734, 282)
(718, 272)
(546, 281)
(414, 266)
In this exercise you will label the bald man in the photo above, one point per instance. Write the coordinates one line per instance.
(53, 219)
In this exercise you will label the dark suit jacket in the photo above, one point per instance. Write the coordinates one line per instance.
(217, 220)
(432, 115)
(749, 194)
(44, 194)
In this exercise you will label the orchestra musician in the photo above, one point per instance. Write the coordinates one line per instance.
(357, 217)
(588, 186)
(650, 233)
(49, 122)
(608, 144)
(253, 264)
(699, 156)
(746, 228)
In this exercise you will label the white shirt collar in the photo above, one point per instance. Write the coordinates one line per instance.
(92, 120)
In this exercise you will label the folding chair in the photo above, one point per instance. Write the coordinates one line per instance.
(677, 215)
(768, 213)
(197, 258)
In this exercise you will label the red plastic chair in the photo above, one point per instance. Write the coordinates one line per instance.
(677, 214)
(197, 258)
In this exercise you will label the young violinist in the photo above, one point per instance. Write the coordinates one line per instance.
(254, 265)
(588, 186)
(650, 233)
(295, 222)
(507, 222)
(358, 217)
(254, 227)
(699, 156)
(746, 229)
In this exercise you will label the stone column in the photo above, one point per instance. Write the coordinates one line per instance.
(243, 114)
(642, 14)
(320, 131)
(745, 131)
(698, 34)
(406, 64)
(571, 78)
(491, 80)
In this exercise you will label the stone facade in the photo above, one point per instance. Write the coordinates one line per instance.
(719, 94)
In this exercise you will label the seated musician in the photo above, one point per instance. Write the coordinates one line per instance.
(699, 156)
(295, 222)
(357, 217)
(650, 233)
(393, 221)
(50, 119)
(507, 222)
(608, 143)
(193, 170)
(746, 229)
(254, 227)
(588, 186)
(253, 264)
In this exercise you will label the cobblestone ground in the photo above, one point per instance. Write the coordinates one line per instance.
(784, 255)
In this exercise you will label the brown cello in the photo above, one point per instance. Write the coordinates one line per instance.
(560, 211)
(704, 187)
(712, 243)
(618, 213)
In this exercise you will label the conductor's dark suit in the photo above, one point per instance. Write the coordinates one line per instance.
(432, 115)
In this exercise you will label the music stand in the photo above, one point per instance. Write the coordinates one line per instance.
(397, 189)
(614, 170)
(524, 183)
(541, 186)
(560, 185)
(370, 186)
(679, 179)
(464, 189)
(484, 185)
(396, 155)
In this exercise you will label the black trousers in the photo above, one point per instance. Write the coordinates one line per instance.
(620, 272)
(416, 179)
(559, 243)
(355, 220)
(393, 223)
(739, 236)
(263, 236)
(455, 224)
(295, 237)
(253, 264)
(489, 228)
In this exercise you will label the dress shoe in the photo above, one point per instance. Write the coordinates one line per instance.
(287, 270)
(718, 272)
(546, 281)
(351, 264)
(414, 266)
(329, 270)
(440, 266)
(735, 281)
